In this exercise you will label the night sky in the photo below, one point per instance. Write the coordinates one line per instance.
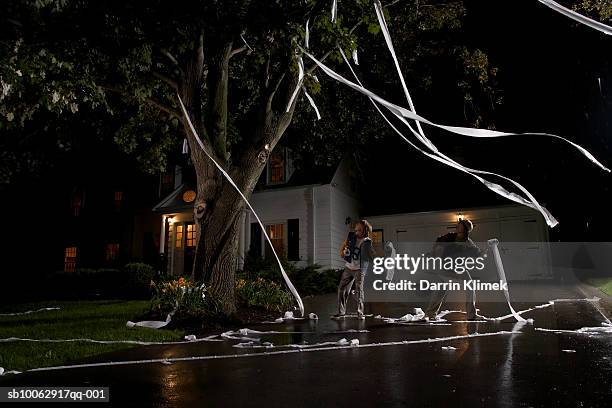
(548, 70)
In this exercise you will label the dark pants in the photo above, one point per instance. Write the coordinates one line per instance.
(349, 277)
(437, 297)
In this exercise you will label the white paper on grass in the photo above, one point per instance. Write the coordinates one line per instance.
(436, 155)
(307, 38)
(44, 309)
(231, 181)
(188, 339)
(577, 17)
(4, 372)
(152, 324)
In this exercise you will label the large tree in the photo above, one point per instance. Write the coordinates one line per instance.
(233, 63)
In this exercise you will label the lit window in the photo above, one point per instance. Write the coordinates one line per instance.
(276, 168)
(190, 238)
(276, 233)
(70, 255)
(179, 236)
(112, 251)
(118, 199)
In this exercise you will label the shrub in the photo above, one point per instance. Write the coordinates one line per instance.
(263, 293)
(138, 278)
(189, 300)
(308, 280)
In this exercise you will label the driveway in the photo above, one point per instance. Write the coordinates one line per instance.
(505, 364)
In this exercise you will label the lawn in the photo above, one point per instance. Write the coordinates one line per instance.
(603, 284)
(99, 320)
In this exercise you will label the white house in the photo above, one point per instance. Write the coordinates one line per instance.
(307, 213)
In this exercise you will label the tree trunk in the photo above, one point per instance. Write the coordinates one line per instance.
(217, 214)
(218, 232)
(218, 205)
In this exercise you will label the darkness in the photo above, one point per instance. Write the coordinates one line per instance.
(548, 70)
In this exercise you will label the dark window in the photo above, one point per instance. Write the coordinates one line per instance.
(118, 200)
(293, 239)
(255, 244)
(77, 203)
(166, 184)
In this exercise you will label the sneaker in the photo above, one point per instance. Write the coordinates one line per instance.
(360, 317)
(338, 316)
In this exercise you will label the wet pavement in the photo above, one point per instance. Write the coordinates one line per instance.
(527, 368)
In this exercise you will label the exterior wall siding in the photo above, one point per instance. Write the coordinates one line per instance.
(278, 206)
(342, 206)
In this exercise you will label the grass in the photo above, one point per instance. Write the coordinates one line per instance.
(603, 284)
(99, 320)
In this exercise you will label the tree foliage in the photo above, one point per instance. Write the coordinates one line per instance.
(116, 67)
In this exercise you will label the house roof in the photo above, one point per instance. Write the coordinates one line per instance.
(173, 202)
(301, 177)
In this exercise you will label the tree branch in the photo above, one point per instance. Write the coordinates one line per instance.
(218, 83)
(311, 69)
(238, 51)
(171, 82)
(271, 96)
(151, 101)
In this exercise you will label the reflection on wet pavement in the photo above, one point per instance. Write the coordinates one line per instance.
(525, 369)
